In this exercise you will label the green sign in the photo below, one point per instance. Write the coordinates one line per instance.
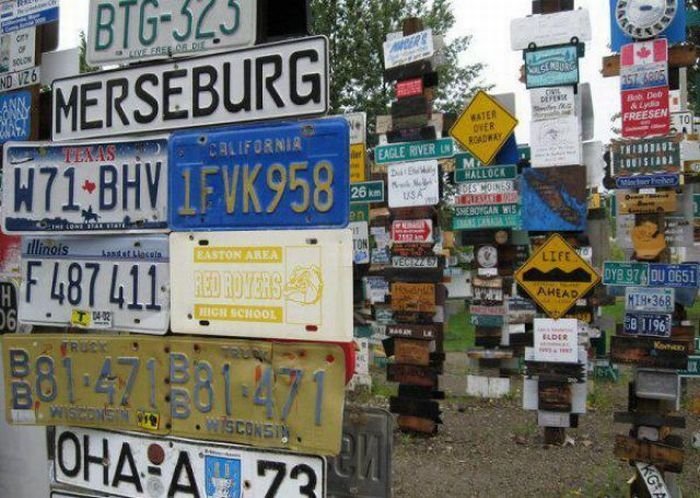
(696, 205)
(625, 274)
(491, 221)
(486, 320)
(466, 160)
(490, 210)
(693, 369)
(367, 192)
(486, 173)
(524, 152)
(359, 212)
(414, 151)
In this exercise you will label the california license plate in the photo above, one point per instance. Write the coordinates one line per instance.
(272, 284)
(147, 29)
(181, 468)
(106, 187)
(272, 395)
(110, 283)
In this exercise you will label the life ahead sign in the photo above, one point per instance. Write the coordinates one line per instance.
(282, 80)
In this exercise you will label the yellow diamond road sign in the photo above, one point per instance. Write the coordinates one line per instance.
(556, 277)
(483, 127)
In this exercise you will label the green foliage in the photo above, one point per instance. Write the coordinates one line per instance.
(84, 66)
(357, 29)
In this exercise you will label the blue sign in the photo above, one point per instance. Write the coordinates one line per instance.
(675, 32)
(15, 116)
(509, 153)
(287, 175)
(647, 324)
(552, 66)
(223, 477)
(554, 199)
(15, 15)
(669, 275)
(662, 180)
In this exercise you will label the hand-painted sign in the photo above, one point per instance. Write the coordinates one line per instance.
(649, 299)
(165, 29)
(413, 297)
(555, 276)
(660, 202)
(413, 184)
(16, 15)
(555, 142)
(407, 49)
(16, 116)
(647, 181)
(551, 66)
(623, 274)
(360, 242)
(409, 231)
(649, 352)
(651, 155)
(260, 177)
(367, 192)
(485, 173)
(632, 20)
(554, 199)
(556, 340)
(644, 83)
(647, 324)
(414, 151)
(291, 81)
(483, 127)
(653, 480)
(76, 188)
(552, 103)
(550, 29)
(358, 127)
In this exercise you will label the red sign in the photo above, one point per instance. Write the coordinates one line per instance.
(645, 112)
(410, 231)
(486, 199)
(409, 88)
(10, 255)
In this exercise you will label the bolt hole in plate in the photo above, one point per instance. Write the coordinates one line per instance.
(204, 242)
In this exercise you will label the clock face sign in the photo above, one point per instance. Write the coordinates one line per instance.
(487, 256)
(642, 19)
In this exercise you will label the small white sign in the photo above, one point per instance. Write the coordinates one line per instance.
(550, 29)
(682, 122)
(413, 184)
(553, 102)
(358, 125)
(407, 49)
(556, 340)
(360, 242)
(17, 51)
(653, 480)
(555, 142)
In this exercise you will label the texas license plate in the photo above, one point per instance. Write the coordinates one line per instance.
(273, 395)
(111, 283)
(648, 324)
(157, 466)
(272, 285)
(293, 175)
(107, 187)
(148, 29)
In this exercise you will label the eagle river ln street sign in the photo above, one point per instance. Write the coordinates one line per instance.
(555, 276)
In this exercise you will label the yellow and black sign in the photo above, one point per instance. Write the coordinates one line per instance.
(556, 277)
(483, 127)
(358, 170)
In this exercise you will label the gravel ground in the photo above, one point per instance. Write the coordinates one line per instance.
(494, 448)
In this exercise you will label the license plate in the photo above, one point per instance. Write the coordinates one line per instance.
(649, 299)
(678, 276)
(273, 395)
(71, 494)
(648, 324)
(293, 175)
(8, 306)
(272, 285)
(110, 283)
(146, 30)
(182, 468)
(106, 187)
(618, 273)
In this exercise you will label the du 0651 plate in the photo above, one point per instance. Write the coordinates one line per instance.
(272, 395)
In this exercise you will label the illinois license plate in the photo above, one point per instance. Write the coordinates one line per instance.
(112, 283)
(273, 395)
(648, 324)
(293, 175)
(107, 187)
(272, 285)
(181, 468)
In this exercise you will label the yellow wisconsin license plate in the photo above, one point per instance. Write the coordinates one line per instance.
(110, 382)
(276, 395)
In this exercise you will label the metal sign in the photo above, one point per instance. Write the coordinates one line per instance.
(8, 306)
(292, 175)
(683, 275)
(414, 151)
(358, 163)
(16, 15)
(551, 66)
(16, 116)
(650, 155)
(630, 21)
(550, 29)
(483, 127)
(512, 220)
(496, 209)
(554, 199)
(407, 49)
(682, 122)
(367, 192)
(622, 274)
(644, 65)
(648, 181)
(556, 142)
(107, 187)
(552, 103)
(291, 80)
(410, 231)
(17, 60)
(487, 187)
(201, 469)
(487, 200)
(649, 299)
(485, 173)
(96, 283)
(660, 202)
(417, 262)
(696, 205)
(360, 242)
(358, 127)
(413, 184)
(647, 324)
(142, 30)
(272, 284)
(555, 276)
(556, 340)
(649, 352)
(693, 369)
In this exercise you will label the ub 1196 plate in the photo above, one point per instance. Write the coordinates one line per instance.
(290, 175)
(181, 468)
(107, 187)
(110, 283)
(273, 395)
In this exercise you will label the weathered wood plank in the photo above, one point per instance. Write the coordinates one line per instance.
(426, 332)
(415, 407)
(412, 351)
(650, 352)
(554, 396)
(414, 424)
(419, 392)
(411, 134)
(412, 375)
(664, 456)
(408, 71)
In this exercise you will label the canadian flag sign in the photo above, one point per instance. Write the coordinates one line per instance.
(411, 231)
(644, 86)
